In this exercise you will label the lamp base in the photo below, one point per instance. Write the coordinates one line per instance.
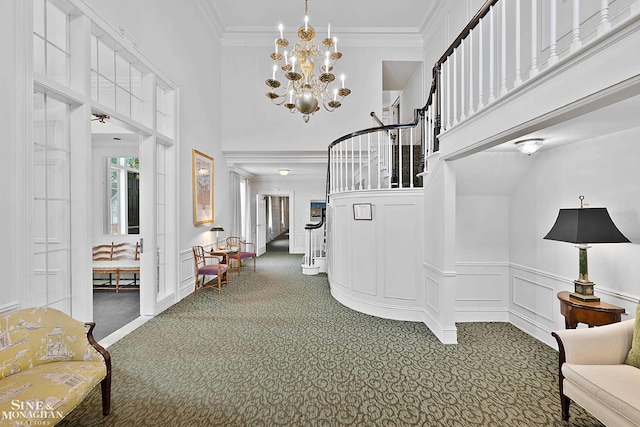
(583, 291)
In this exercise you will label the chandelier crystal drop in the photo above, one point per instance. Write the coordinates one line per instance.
(305, 90)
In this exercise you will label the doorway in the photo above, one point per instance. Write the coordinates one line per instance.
(274, 222)
(116, 191)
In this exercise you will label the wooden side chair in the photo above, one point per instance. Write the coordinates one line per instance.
(208, 265)
(241, 250)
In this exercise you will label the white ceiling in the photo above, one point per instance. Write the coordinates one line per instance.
(343, 15)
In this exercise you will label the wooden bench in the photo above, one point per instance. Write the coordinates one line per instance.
(116, 259)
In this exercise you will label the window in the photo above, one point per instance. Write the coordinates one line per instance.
(51, 41)
(51, 203)
(116, 82)
(124, 195)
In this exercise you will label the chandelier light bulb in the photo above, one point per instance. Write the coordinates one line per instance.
(281, 28)
(306, 22)
(329, 30)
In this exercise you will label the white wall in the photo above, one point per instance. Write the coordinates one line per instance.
(253, 123)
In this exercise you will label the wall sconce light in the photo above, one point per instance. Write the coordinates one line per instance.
(583, 226)
(529, 146)
(284, 172)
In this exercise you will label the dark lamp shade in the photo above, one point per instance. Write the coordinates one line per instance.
(585, 225)
(217, 228)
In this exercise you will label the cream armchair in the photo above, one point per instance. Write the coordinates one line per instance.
(592, 373)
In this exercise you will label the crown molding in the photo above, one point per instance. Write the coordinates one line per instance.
(350, 37)
(275, 157)
(211, 15)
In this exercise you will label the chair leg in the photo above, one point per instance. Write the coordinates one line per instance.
(195, 288)
(254, 263)
(105, 386)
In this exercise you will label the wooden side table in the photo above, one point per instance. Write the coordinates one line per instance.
(591, 313)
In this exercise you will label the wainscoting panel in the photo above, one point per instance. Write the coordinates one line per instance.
(432, 295)
(364, 268)
(339, 246)
(400, 249)
(534, 297)
(482, 293)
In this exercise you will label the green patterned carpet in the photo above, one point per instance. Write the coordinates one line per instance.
(275, 349)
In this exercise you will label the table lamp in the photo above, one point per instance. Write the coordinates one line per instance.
(217, 229)
(584, 226)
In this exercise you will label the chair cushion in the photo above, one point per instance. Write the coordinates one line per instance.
(633, 358)
(615, 386)
(212, 270)
(244, 255)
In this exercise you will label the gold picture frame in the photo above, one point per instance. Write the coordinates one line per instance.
(202, 180)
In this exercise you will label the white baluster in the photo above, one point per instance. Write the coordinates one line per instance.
(369, 161)
(534, 38)
(360, 178)
(331, 171)
(553, 54)
(470, 73)
(411, 171)
(353, 166)
(390, 160)
(454, 80)
(400, 158)
(379, 153)
(448, 97)
(503, 60)
(342, 165)
(518, 81)
(463, 74)
(492, 61)
(576, 41)
(605, 24)
(480, 66)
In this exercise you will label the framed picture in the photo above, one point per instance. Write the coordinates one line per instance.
(316, 207)
(362, 211)
(202, 175)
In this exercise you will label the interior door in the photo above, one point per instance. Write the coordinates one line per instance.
(261, 221)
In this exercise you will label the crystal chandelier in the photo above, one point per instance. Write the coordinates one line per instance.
(305, 90)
